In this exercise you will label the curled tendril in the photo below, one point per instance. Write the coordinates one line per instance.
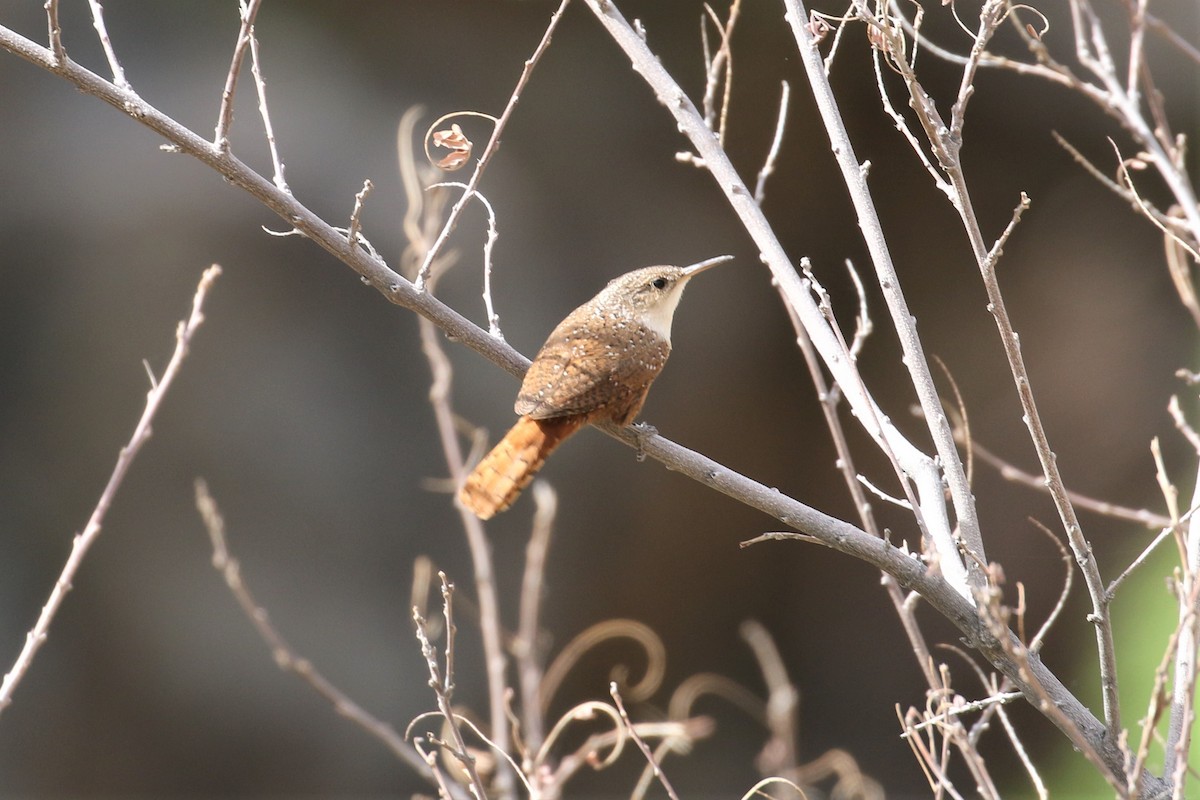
(1011, 12)
(707, 683)
(461, 720)
(656, 658)
(757, 789)
(582, 712)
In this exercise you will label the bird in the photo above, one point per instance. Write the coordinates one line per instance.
(595, 366)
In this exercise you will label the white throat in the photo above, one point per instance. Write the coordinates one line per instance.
(659, 316)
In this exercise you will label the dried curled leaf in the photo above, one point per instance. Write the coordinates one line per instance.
(457, 143)
(818, 28)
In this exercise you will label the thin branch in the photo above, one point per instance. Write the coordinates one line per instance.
(443, 688)
(1181, 423)
(481, 560)
(489, 243)
(720, 70)
(1149, 722)
(83, 541)
(1035, 777)
(285, 657)
(1137, 39)
(1180, 269)
(225, 116)
(1137, 562)
(1179, 726)
(106, 43)
(430, 758)
(490, 150)
(1010, 472)
(1172, 36)
(955, 711)
(830, 399)
(54, 32)
(1146, 208)
(768, 167)
(356, 213)
(1035, 644)
(525, 647)
(641, 743)
(260, 86)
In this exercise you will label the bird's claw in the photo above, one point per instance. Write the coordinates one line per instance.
(642, 432)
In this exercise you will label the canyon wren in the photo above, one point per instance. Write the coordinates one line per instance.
(596, 366)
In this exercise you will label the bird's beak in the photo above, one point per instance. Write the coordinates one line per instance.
(696, 269)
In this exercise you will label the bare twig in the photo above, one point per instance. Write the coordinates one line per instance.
(720, 71)
(1181, 423)
(1145, 207)
(260, 86)
(431, 759)
(1154, 712)
(527, 653)
(102, 33)
(1160, 219)
(443, 688)
(249, 10)
(356, 213)
(768, 167)
(285, 657)
(489, 243)
(54, 32)
(1010, 472)
(830, 399)
(1137, 562)
(1035, 644)
(1172, 36)
(1035, 777)
(959, 710)
(1106, 753)
(490, 150)
(1180, 269)
(640, 742)
(83, 541)
(1179, 726)
(481, 559)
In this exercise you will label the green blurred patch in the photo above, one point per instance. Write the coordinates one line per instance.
(1144, 618)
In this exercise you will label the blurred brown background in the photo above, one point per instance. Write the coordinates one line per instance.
(303, 402)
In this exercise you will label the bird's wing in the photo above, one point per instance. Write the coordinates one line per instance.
(579, 371)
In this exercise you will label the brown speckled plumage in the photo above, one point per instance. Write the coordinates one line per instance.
(598, 371)
(596, 365)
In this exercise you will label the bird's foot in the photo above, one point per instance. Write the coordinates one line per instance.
(642, 432)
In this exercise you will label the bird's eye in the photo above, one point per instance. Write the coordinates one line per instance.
(659, 283)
